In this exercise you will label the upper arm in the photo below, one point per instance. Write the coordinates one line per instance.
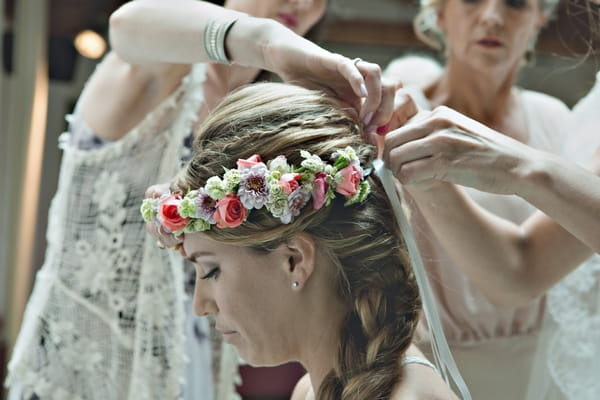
(119, 95)
(413, 70)
(302, 387)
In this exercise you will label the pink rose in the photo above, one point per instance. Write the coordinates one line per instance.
(320, 187)
(168, 214)
(230, 212)
(289, 182)
(349, 186)
(248, 163)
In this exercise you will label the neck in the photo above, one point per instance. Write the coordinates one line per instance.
(320, 337)
(232, 77)
(484, 96)
(222, 79)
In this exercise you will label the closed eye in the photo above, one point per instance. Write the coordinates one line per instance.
(214, 273)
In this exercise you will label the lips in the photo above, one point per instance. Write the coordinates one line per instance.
(228, 336)
(288, 19)
(489, 42)
(223, 331)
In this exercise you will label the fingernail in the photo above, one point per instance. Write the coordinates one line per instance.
(363, 90)
(383, 129)
(367, 118)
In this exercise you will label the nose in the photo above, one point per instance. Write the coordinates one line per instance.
(492, 13)
(301, 4)
(204, 304)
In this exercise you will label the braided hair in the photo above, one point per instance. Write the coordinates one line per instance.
(372, 272)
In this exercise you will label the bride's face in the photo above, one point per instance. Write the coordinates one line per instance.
(249, 295)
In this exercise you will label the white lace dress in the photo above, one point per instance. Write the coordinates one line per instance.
(106, 317)
(568, 359)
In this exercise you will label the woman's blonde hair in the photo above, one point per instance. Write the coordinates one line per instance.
(372, 275)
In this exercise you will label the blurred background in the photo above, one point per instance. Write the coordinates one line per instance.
(50, 47)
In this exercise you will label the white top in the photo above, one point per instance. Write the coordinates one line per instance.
(467, 315)
(568, 363)
(105, 319)
(404, 361)
(488, 341)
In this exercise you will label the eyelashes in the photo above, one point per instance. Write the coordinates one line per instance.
(214, 273)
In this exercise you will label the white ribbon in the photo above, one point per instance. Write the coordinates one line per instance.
(441, 352)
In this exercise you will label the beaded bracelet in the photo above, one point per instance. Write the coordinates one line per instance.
(214, 39)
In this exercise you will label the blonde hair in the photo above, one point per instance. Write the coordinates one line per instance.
(372, 272)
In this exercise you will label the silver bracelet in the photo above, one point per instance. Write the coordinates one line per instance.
(214, 39)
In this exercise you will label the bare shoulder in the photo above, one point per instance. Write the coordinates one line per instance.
(413, 70)
(421, 382)
(302, 387)
(544, 101)
(118, 95)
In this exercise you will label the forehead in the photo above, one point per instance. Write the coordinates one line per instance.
(201, 243)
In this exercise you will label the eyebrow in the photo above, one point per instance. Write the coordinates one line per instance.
(192, 257)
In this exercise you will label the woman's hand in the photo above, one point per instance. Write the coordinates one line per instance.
(356, 82)
(404, 108)
(444, 145)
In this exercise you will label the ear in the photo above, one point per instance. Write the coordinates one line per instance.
(440, 20)
(301, 254)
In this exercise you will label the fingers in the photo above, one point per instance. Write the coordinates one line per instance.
(396, 157)
(405, 108)
(349, 70)
(375, 89)
(386, 108)
(157, 190)
(419, 171)
(422, 124)
(164, 239)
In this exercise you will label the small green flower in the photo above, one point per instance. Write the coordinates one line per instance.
(279, 165)
(275, 189)
(187, 207)
(231, 180)
(337, 178)
(196, 225)
(361, 194)
(330, 195)
(215, 188)
(277, 205)
(345, 157)
(312, 162)
(148, 208)
(275, 175)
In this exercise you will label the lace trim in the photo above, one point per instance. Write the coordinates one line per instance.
(185, 99)
(76, 285)
(573, 353)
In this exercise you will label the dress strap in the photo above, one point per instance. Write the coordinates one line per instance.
(419, 360)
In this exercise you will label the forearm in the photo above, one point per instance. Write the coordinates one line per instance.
(567, 193)
(158, 31)
(514, 264)
(489, 249)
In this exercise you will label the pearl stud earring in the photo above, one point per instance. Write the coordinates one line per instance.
(295, 285)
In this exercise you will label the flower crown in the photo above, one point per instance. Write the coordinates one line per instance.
(278, 186)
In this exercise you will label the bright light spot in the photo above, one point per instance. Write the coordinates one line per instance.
(90, 44)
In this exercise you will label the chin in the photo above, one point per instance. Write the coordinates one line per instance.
(261, 359)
